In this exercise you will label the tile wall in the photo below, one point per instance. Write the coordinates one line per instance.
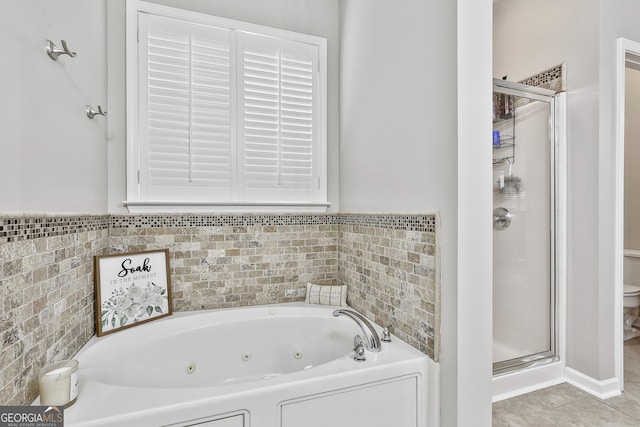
(392, 277)
(389, 263)
(554, 79)
(46, 295)
(220, 261)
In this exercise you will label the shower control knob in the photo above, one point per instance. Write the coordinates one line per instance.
(501, 219)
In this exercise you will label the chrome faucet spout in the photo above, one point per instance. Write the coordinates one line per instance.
(372, 340)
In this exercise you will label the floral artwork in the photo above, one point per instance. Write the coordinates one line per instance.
(131, 289)
(134, 304)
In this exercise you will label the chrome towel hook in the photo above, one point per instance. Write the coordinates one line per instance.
(91, 113)
(54, 52)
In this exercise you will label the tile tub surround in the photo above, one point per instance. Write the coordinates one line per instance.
(46, 295)
(222, 261)
(389, 262)
(393, 278)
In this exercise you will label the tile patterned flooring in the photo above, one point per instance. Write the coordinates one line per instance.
(564, 405)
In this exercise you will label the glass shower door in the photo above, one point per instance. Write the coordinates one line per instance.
(524, 289)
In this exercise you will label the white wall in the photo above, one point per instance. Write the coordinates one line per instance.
(398, 107)
(52, 157)
(318, 18)
(530, 38)
(400, 148)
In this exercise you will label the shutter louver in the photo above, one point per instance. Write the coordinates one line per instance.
(277, 136)
(188, 135)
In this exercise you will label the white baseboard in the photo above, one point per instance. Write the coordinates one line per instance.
(602, 389)
(527, 380)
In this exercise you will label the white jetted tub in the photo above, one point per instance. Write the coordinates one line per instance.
(284, 365)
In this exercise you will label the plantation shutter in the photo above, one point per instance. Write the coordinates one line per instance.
(277, 128)
(185, 103)
(223, 114)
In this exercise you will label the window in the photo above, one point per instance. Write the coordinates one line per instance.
(223, 115)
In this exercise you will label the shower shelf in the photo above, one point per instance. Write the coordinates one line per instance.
(505, 142)
(506, 151)
(505, 123)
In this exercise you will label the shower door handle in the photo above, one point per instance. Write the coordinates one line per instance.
(501, 219)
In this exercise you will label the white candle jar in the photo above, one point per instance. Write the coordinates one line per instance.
(59, 383)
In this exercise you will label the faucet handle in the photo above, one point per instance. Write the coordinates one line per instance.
(386, 335)
(357, 342)
(358, 349)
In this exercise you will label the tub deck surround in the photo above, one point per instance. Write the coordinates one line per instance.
(388, 261)
(266, 362)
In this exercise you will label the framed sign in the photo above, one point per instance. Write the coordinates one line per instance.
(131, 289)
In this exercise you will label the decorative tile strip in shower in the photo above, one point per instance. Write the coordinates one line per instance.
(553, 78)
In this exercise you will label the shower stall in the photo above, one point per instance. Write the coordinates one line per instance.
(526, 184)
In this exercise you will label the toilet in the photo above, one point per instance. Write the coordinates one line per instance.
(631, 301)
(631, 305)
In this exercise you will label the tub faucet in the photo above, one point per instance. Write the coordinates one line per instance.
(372, 340)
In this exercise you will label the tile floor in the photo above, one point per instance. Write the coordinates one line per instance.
(564, 405)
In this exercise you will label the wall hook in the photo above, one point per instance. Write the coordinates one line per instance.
(54, 52)
(91, 113)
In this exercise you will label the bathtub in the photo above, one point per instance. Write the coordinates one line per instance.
(283, 365)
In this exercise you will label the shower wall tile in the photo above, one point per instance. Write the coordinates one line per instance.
(554, 78)
(389, 262)
(46, 298)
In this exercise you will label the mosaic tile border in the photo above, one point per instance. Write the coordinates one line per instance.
(219, 220)
(13, 229)
(553, 78)
(417, 222)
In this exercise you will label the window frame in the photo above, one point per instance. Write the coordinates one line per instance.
(134, 202)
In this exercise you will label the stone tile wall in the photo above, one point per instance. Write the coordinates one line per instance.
(389, 262)
(392, 276)
(231, 260)
(46, 296)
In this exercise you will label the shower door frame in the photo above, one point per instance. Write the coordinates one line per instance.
(556, 176)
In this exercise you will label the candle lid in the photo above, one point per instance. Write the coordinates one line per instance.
(62, 367)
